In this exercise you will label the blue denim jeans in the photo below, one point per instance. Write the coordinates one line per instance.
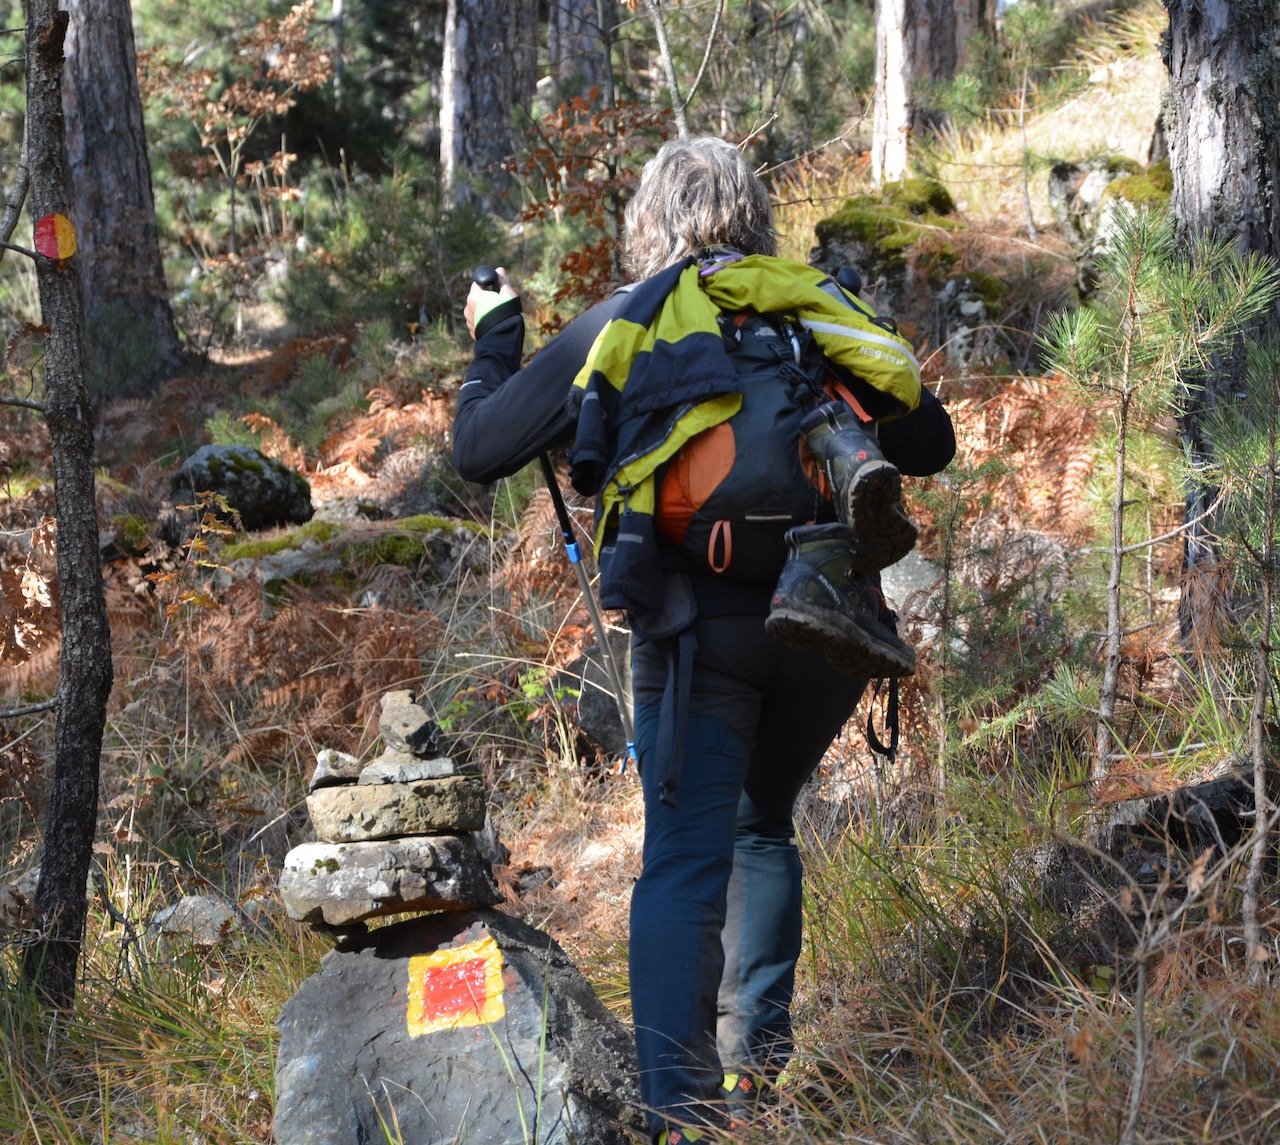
(716, 912)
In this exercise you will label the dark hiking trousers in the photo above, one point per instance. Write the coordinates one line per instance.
(715, 914)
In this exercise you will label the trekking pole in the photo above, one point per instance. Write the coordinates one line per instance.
(486, 278)
(574, 554)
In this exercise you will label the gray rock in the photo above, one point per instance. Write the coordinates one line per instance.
(968, 331)
(495, 852)
(388, 810)
(401, 767)
(406, 726)
(1085, 215)
(343, 883)
(333, 768)
(1213, 813)
(196, 921)
(908, 587)
(389, 1034)
(596, 711)
(262, 491)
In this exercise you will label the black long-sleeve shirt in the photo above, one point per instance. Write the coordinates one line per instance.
(507, 414)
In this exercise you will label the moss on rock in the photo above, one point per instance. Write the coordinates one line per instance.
(887, 227)
(919, 197)
(1150, 188)
(319, 532)
(986, 286)
(395, 543)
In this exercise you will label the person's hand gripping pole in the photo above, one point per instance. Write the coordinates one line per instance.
(487, 279)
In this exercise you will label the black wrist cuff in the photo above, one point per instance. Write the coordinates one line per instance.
(511, 308)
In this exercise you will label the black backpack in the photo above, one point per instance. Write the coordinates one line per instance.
(727, 498)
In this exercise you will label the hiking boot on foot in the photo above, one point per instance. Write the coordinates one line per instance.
(823, 603)
(742, 1098)
(678, 1136)
(865, 487)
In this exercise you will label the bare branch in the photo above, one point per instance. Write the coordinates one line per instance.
(19, 249)
(706, 55)
(1150, 542)
(668, 66)
(25, 403)
(29, 710)
(13, 204)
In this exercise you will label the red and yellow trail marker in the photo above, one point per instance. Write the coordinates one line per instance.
(55, 237)
(450, 989)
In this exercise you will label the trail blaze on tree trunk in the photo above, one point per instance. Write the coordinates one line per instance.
(1222, 122)
(126, 302)
(50, 963)
(489, 74)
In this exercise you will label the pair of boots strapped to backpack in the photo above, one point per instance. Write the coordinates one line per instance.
(828, 596)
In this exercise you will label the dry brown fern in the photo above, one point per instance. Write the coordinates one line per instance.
(283, 363)
(258, 748)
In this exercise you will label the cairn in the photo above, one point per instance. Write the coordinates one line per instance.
(395, 836)
(461, 1024)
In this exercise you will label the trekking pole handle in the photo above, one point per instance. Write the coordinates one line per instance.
(486, 278)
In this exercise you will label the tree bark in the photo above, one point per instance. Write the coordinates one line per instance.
(1221, 122)
(489, 77)
(579, 34)
(129, 325)
(50, 963)
(891, 111)
(917, 42)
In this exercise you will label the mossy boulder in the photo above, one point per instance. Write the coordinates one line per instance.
(1150, 188)
(1086, 196)
(877, 234)
(261, 492)
(327, 550)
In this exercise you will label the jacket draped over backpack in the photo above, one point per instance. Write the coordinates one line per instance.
(659, 374)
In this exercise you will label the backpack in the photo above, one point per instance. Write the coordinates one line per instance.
(666, 369)
(725, 501)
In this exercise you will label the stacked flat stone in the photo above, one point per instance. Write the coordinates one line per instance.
(395, 836)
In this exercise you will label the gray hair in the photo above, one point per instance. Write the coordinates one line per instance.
(696, 192)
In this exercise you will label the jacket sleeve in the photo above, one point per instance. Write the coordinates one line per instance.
(922, 442)
(507, 415)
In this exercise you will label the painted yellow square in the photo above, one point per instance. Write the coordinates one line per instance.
(454, 988)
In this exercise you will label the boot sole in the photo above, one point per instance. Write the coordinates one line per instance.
(873, 509)
(848, 648)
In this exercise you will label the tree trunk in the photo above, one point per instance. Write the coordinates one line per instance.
(50, 963)
(488, 81)
(1220, 123)
(891, 111)
(579, 34)
(917, 42)
(129, 327)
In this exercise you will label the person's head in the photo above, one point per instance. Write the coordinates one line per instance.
(696, 192)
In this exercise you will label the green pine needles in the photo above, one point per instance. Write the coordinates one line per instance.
(1141, 353)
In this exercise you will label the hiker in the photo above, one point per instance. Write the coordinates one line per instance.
(732, 713)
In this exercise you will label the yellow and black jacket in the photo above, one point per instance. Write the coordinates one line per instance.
(659, 373)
